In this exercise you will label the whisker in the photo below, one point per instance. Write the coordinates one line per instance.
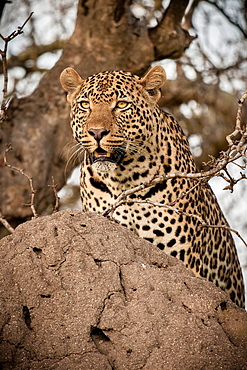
(135, 147)
(76, 154)
(68, 147)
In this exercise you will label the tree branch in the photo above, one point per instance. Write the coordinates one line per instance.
(238, 129)
(219, 164)
(174, 13)
(30, 179)
(5, 223)
(226, 228)
(169, 38)
(230, 20)
(187, 24)
(32, 53)
(3, 53)
(54, 188)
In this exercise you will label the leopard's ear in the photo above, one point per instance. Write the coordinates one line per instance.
(70, 81)
(153, 81)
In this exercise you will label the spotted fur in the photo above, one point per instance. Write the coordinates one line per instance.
(128, 140)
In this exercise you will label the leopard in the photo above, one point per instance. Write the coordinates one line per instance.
(127, 141)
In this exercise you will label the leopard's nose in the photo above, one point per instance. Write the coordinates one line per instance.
(98, 133)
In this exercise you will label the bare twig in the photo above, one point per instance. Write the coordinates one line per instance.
(226, 228)
(192, 215)
(30, 179)
(6, 224)
(54, 188)
(184, 193)
(168, 206)
(232, 182)
(33, 52)
(219, 164)
(3, 53)
(238, 129)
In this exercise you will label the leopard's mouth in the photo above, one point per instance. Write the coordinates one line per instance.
(101, 155)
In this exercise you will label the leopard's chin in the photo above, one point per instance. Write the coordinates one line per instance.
(102, 161)
(104, 166)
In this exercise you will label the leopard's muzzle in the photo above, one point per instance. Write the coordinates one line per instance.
(103, 161)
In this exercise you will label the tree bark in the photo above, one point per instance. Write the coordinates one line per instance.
(169, 38)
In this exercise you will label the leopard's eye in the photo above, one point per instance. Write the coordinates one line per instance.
(84, 104)
(122, 104)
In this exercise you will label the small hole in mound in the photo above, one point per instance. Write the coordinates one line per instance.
(98, 335)
(83, 225)
(55, 231)
(45, 295)
(223, 306)
(98, 262)
(101, 341)
(27, 317)
(37, 250)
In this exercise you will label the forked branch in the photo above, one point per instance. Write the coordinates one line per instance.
(30, 179)
(3, 54)
(54, 188)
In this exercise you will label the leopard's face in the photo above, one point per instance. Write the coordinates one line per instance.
(112, 113)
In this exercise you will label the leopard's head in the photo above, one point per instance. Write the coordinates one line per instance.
(112, 112)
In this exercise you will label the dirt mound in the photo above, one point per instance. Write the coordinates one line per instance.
(80, 292)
